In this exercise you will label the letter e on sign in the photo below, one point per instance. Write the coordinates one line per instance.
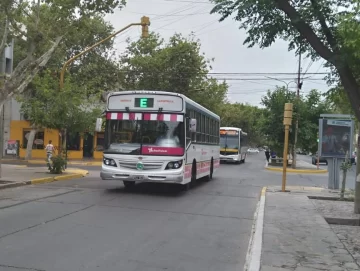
(143, 102)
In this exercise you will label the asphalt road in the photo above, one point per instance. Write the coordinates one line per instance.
(350, 176)
(89, 224)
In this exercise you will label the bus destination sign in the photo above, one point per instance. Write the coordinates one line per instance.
(228, 132)
(144, 102)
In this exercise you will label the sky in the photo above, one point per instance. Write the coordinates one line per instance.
(222, 41)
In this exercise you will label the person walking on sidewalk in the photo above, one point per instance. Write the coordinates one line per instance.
(267, 155)
(49, 152)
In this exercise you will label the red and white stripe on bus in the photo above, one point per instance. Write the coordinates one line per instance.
(147, 116)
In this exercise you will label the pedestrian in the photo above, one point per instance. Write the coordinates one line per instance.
(49, 152)
(267, 155)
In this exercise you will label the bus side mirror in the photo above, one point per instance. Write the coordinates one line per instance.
(192, 125)
(98, 124)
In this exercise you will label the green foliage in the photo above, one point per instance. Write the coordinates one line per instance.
(307, 108)
(41, 27)
(175, 66)
(318, 29)
(68, 109)
(58, 164)
(247, 117)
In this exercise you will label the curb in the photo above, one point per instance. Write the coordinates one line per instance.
(76, 175)
(253, 256)
(291, 170)
(39, 162)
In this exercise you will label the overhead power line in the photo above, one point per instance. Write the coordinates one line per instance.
(239, 73)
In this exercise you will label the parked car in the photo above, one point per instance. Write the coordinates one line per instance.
(253, 150)
(322, 160)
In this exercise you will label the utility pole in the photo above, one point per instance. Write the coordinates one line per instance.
(299, 85)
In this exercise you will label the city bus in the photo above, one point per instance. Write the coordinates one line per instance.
(233, 145)
(156, 136)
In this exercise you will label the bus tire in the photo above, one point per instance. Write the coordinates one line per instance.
(129, 184)
(185, 187)
(211, 170)
(193, 173)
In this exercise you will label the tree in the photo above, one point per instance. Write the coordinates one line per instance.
(175, 66)
(92, 74)
(308, 108)
(317, 28)
(248, 118)
(70, 109)
(42, 33)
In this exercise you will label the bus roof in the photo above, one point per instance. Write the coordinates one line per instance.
(233, 129)
(156, 92)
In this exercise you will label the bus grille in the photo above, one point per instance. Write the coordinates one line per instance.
(228, 153)
(147, 165)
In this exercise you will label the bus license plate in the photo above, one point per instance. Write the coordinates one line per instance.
(139, 178)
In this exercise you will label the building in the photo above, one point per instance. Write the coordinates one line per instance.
(86, 146)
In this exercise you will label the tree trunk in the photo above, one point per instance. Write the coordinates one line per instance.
(342, 192)
(30, 143)
(357, 181)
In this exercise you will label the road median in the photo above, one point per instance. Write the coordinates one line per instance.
(302, 167)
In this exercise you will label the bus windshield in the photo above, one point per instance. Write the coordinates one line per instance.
(145, 137)
(229, 141)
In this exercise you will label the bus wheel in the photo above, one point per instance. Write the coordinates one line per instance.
(193, 173)
(211, 169)
(185, 187)
(129, 184)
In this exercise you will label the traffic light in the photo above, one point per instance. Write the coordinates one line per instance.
(145, 22)
(317, 136)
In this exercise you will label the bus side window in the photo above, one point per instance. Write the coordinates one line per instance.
(187, 131)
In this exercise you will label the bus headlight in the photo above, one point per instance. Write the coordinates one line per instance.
(174, 165)
(109, 162)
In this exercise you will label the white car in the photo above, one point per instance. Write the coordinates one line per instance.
(251, 150)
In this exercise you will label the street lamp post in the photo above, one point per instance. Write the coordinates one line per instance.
(286, 83)
(144, 23)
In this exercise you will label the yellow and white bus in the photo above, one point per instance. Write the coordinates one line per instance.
(233, 145)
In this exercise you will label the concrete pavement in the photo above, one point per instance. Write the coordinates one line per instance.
(297, 238)
(89, 224)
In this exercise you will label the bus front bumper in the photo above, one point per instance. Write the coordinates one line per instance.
(229, 158)
(171, 176)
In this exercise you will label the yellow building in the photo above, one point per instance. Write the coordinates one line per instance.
(88, 146)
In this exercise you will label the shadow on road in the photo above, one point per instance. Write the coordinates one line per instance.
(156, 189)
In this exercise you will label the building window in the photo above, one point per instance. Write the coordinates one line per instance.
(100, 142)
(38, 143)
(73, 142)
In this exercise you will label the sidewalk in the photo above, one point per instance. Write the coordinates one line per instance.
(18, 161)
(297, 237)
(12, 175)
(301, 167)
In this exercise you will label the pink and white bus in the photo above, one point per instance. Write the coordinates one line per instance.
(155, 136)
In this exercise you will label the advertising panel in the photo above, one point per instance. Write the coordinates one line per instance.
(336, 137)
